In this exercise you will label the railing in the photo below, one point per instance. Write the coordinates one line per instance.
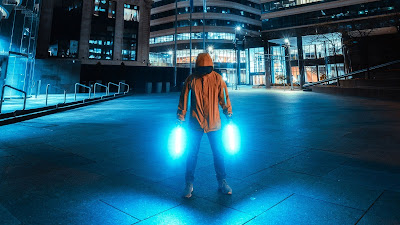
(352, 74)
(47, 93)
(2, 95)
(94, 91)
(78, 84)
(39, 83)
(48, 86)
(114, 85)
(119, 88)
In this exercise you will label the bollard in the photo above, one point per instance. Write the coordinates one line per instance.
(148, 87)
(167, 87)
(158, 87)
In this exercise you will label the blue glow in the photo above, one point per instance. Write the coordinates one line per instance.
(231, 137)
(177, 142)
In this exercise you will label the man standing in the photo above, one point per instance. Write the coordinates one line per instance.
(208, 89)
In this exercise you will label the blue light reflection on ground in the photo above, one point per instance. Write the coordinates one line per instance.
(274, 179)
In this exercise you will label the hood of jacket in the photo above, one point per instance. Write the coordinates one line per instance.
(204, 65)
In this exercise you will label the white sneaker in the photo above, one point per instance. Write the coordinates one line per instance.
(224, 187)
(187, 193)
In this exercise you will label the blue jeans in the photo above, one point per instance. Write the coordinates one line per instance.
(215, 139)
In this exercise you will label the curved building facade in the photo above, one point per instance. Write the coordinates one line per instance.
(219, 27)
(313, 40)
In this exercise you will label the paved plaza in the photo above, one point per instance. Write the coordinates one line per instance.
(306, 158)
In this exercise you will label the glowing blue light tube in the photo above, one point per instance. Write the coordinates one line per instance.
(177, 142)
(231, 137)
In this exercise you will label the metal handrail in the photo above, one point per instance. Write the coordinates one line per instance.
(94, 91)
(352, 73)
(47, 92)
(109, 87)
(119, 88)
(65, 93)
(38, 87)
(78, 84)
(2, 95)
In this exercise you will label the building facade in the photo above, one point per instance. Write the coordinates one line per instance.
(109, 32)
(318, 39)
(80, 40)
(225, 29)
(19, 21)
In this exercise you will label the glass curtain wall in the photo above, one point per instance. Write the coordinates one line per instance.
(18, 47)
(131, 27)
(224, 60)
(186, 36)
(101, 43)
(323, 58)
(278, 65)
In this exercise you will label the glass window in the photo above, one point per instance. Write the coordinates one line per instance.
(130, 37)
(66, 26)
(101, 43)
(131, 13)
(257, 62)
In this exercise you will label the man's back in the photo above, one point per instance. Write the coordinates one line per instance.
(207, 91)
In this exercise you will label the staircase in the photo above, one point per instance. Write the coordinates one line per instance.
(381, 82)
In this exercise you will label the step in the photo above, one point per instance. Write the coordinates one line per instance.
(390, 93)
(370, 83)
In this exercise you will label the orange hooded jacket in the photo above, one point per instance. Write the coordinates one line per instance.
(207, 90)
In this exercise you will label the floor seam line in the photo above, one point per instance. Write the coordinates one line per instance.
(159, 213)
(229, 207)
(369, 207)
(269, 167)
(271, 207)
(119, 209)
(329, 202)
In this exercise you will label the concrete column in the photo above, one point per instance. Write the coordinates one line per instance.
(87, 12)
(119, 30)
(301, 60)
(288, 66)
(144, 32)
(46, 21)
(267, 63)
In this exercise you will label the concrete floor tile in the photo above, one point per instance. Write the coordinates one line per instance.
(316, 163)
(260, 200)
(365, 177)
(4, 153)
(199, 211)
(62, 166)
(378, 160)
(7, 218)
(343, 193)
(302, 210)
(142, 200)
(287, 181)
(386, 210)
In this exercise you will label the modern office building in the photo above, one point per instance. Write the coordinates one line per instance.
(96, 31)
(319, 39)
(87, 37)
(19, 20)
(228, 30)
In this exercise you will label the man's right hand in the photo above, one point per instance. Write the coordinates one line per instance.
(179, 122)
(229, 118)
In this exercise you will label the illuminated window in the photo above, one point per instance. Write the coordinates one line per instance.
(131, 13)
(101, 43)
(131, 27)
